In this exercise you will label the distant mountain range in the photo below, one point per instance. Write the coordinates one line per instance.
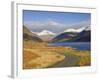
(54, 26)
(74, 35)
(80, 34)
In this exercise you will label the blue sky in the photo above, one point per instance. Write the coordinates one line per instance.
(32, 18)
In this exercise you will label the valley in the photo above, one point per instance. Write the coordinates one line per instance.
(38, 53)
(56, 39)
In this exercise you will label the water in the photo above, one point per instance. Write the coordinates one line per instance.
(76, 45)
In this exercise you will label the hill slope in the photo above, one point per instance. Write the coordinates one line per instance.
(46, 35)
(28, 35)
(64, 36)
(84, 36)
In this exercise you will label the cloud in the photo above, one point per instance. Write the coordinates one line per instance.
(53, 26)
(81, 24)
(50, 25)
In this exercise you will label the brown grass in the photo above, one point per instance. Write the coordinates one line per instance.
(40, 55)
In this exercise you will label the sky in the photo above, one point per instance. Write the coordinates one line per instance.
(40, 20)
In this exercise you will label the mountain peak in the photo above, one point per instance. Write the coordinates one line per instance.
(77, 30)
(70, 30)
(46, 32)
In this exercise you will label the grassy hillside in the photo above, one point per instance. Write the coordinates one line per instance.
(28, 35)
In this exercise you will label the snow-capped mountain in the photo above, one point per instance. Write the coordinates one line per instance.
(76, 30)
(80, 29)
(71, 30)
(45, 32)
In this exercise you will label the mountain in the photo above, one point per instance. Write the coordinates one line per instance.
(75, 30)
(45, 32)
(55, 26)
(73, 35)
(70, 30)
(28, 35)
(84, 36)
(46, 35)
(64, 36)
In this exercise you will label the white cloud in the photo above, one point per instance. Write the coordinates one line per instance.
(50, 25)
(53, 26)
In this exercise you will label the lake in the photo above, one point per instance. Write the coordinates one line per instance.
(76, 45)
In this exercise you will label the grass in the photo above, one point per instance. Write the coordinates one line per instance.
(83, 58)
(40, 55)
